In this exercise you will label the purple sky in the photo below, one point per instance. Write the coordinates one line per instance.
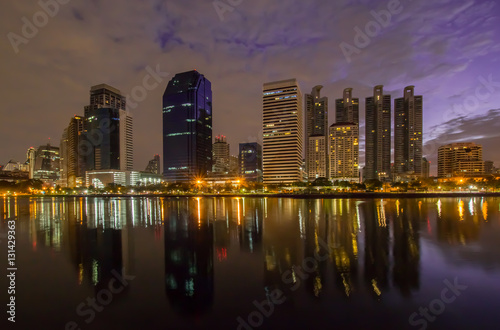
(446, 48)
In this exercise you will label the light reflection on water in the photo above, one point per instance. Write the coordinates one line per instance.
(219, 254)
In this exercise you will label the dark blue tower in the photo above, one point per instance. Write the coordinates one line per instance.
(187, 127)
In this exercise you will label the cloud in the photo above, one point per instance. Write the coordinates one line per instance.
(441, 47)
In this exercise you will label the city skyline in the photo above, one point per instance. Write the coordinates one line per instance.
(452, 60)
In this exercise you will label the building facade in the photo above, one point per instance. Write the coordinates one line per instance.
(221, 156)
(347, 108)
(344, 152)
(283, 132)
(316, 141)
(108, 131)
(378, 136)
(154, 165)
(460, 160)
(187, 127)
(250, 158)
(408, 125)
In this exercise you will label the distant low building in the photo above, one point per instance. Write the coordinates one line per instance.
(154, 165)
(103, 178)
(460, 160)
(251, 161)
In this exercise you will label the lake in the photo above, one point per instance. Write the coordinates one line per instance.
(253, 263)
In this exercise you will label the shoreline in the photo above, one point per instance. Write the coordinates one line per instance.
(360, 195)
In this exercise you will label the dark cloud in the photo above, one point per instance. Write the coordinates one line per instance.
(442, 47)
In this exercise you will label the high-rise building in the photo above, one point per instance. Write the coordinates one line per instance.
(344, 139)
(347, 108)
(316, 134)
(105, 96)
(108, 131)
(283, 132)
(71, 152)
(251, 161)
(154, 165)
(220, 150)
(344, 152)
(408, 133)
(47, 163)
(426, 168)
(108, 136)
(63, 159)
(187, 127)
(378, 136)
(463, 159)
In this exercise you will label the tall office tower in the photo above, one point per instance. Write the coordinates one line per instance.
(251, 161)
(347, 108)
(108, 131)
(105, 96)
(73, 158)
(344, 152)
(187, 127)
(408, 133)
(47, 163)
(463, 159)
(316, 134)
(154, 165)
(283, 132)
(378, 136)
(426, 168)
(30, 160)
(220, 150)
(63, 159)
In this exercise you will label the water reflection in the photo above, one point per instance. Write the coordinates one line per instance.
(189, 264)
(372, 248)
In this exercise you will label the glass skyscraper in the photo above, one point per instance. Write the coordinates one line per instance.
(187, 127)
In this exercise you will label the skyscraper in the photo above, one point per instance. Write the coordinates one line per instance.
(408, 133)
(378, 135)
(344, 139)
(220, 155)
(251, 161)
(347, 108)
(283, 132)
(316, 134)
(187, 127)
(344, 152)
(47, 163)
(72, 158)
(108, 131)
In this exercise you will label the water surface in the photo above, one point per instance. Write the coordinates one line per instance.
(254, 263)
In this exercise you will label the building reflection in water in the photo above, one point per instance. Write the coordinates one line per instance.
(376, 253)
(372, 245)
(189, 268)
(343, 239)
(100, 242)
(459, 223)
(406, 246)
